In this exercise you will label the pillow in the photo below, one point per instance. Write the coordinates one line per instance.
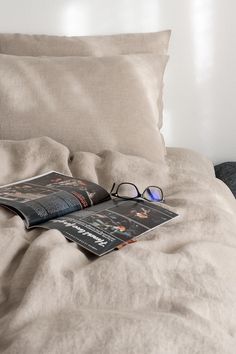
(38, 45)
(86, 103)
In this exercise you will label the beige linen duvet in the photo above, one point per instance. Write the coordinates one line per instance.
(173, 291)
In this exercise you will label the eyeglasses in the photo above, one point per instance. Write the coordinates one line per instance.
(128, 190)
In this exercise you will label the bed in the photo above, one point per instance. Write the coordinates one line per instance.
(174, 290)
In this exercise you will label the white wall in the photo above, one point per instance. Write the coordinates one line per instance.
(200, 102)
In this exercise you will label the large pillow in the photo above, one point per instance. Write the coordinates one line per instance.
(87, 103)
(38, 45)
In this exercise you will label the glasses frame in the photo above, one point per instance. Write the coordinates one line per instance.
(139, 195)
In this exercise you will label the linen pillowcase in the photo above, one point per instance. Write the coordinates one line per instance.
(109, 45)
(86, 103)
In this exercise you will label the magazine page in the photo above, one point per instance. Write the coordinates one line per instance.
(104, 227)
(50, 195)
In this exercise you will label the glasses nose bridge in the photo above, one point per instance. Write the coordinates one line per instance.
(138, 192)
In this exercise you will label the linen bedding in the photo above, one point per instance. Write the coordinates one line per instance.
(173, 291)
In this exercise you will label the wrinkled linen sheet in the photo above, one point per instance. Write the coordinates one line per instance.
(173, 291)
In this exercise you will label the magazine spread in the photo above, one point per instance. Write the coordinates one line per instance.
(50, 195)
(83, 211)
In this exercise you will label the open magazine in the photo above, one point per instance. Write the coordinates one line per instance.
(83, 211)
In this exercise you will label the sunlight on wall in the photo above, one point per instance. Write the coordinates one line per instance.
(86, 18)
(202, 27)
(203, 23)
(75, 18)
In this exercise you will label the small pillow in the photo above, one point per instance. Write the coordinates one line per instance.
(38, 45)
(86, 103)
(226, 171)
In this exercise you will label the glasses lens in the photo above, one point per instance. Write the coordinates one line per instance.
(153, 194)
(127, 190)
